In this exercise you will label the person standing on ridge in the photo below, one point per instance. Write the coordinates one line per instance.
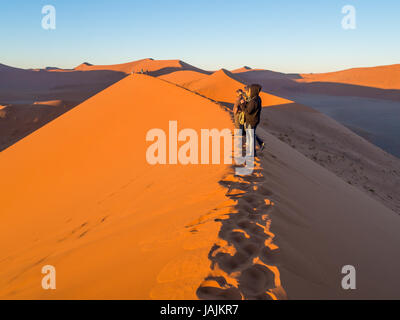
(252, 109)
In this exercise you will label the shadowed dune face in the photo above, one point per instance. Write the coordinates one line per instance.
(25, 90)
(376, 120)
(358, 162)
(18, 121)
(322, 223)
(20, 80)
(111, 224)
(265, 74)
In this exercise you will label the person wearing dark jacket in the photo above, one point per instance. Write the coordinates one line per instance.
(252, 109)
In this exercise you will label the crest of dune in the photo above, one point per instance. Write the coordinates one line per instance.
(145, 65)
(383, 77)
(78, 194)
(222, 85)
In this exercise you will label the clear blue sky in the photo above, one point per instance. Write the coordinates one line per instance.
(285, 35)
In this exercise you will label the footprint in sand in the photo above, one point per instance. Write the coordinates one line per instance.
(246, 255)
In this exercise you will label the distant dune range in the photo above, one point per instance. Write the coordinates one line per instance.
(79, 194)
(384, 77)
(333, 84)
(20, 89)
(149, 66)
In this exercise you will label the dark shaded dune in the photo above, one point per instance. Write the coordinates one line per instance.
(19, 79)
(340, 89)
(265, 74)
(18, 121)
(320, 138)
(20, 88)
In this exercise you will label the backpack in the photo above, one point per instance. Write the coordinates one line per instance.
(241, 118)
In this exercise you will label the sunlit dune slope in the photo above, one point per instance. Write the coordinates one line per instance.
(383, 77)
(79, 194)
(222, 85)
(183, 78)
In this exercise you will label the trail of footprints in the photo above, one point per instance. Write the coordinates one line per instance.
(245, 261)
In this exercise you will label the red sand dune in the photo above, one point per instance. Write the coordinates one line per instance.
(383, 77)
(222, 85)
(183, 78)
(147, 65)
(111, 224)
(242, 69)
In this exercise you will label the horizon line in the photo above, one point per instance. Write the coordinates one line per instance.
(205, 69)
